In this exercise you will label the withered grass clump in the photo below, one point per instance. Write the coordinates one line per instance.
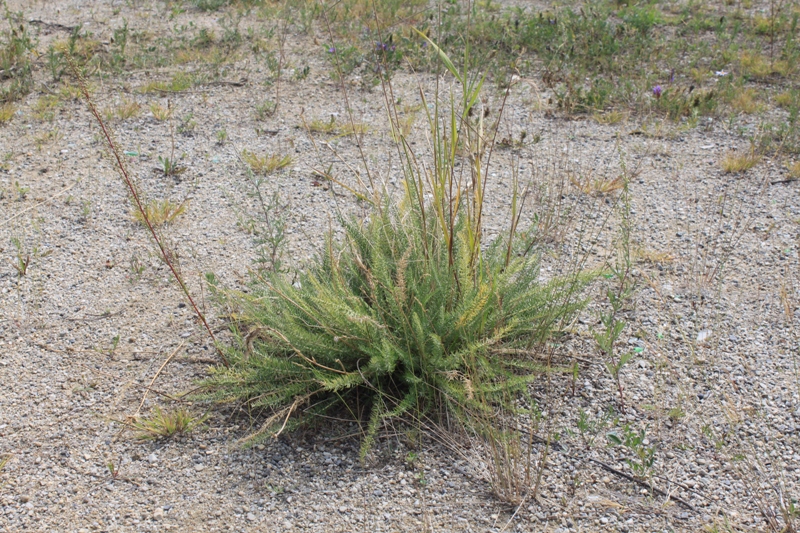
(736, 162)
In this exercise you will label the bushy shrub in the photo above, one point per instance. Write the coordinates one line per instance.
(410, 313)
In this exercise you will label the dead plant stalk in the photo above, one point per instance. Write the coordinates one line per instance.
(166, 254)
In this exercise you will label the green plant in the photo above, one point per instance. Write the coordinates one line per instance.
(21, 190)
(794, 170)
(269, 228)
(56, 62)
(187, 125)
(636, 442)
(160, 112)
(266, 164)
(170, 167)
(114, 343)
(7, 111)
(45, 107)
(222, 136)
(119, 42)
(86, 208)
(589, 428)
(618, 294)
(209, 5)
(164, 424)
(123, 111)
(16, 65)
(22, 259)
(736, 162)
(179, 82)
(410, 312)
(301, 74)
(160, 212)
(4, 459)
(136, 268)
(265, 109)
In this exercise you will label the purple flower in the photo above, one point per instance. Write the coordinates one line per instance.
(332, 50)
(657, 91)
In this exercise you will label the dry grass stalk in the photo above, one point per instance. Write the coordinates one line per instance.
(138, 199)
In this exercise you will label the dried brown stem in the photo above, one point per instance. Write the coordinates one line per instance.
(167, 255)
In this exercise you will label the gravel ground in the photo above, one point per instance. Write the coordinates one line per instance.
(714, 384)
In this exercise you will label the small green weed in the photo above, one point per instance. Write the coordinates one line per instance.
(736, 162)
(22, 259)
(636, 442)
(21, 190)
(620, 290)
(333, 127)
(794, 170)
(187, 125)
(209, 5)
(45, 107)
(170, 167)
(179, 82)
(7, 111)
(165, 424)
(266, 164)
(125, 110)
(589, 428)
(160, 112)
(265, 109)
(160, 212)
(16, 59)
(136, 268)
(788, 99)
(746, 101)
(46, 137)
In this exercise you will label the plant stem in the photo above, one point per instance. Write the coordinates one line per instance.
(167, 255)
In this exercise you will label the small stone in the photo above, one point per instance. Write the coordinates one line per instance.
(251, 517)
(158, 514)
(152, 459)
(199, 467)
(24, 498)
(378, 493)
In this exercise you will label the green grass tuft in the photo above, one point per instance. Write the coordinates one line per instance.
(266, 164)
(165, 424)
(160, 212)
